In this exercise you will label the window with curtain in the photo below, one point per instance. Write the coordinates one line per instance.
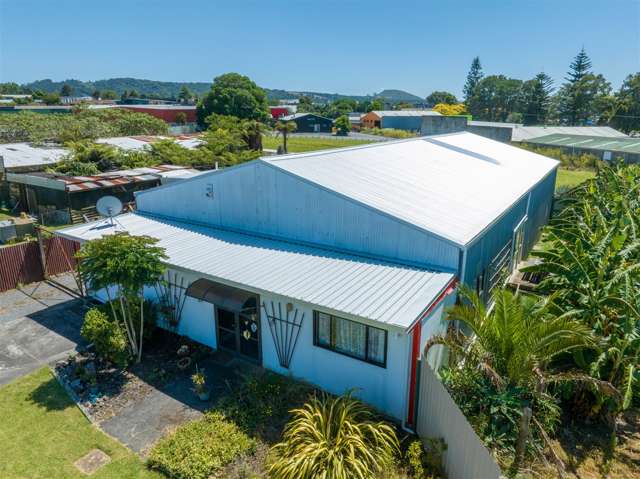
(351, 338)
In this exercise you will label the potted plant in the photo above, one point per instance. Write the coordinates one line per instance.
(200, 385)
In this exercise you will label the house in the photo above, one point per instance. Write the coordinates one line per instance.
(355, 118)
(607, 148)
(58, 199)
(336, 266)
(410, 120)
(278, 112)
(310, 123)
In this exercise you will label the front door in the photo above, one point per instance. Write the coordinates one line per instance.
(239, 332)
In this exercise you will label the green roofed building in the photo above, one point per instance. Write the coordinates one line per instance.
(605, 148)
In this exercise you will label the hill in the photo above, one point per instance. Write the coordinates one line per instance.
(168, 90)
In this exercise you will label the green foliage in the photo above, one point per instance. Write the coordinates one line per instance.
(343, 125)
(627, 115)
(339, 436)
(592, 264)
(584, 161)
(536, 99)
(200, 449)
(127, 264)
(416, 459)
(426, 463)
(388, 132)
(261, 401)
(236, 95)
(106, 335)
(473, 78)
(441, 97)
(82, 125)
(494, 97)
(181, 118)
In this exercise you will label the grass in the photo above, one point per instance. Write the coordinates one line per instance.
(5, 214)
(43, 433)
(300, 144)
(571, 178)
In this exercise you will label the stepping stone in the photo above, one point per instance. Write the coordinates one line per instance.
(92, 461)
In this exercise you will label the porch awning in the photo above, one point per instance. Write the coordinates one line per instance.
(221, 295)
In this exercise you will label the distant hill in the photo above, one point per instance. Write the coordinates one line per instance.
(167, 90)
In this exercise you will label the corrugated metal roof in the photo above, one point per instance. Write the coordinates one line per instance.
(300, 115)
(524, 133)
(497, 124)
(451, 185)
(379, 291)
(20, 155)
(382, 113)
(622, 145)
(129, 143)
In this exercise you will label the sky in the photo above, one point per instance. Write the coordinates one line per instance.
(350, 47)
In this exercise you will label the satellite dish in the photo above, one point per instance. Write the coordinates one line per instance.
(109, 206)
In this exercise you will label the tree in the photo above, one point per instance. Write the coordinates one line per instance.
(343, 125)
(96, 94)
(450, 110)
(305, 105)
(340, 107)
(494, 98)
(441, 97)
(473, 78)
(584, 95)
(376, 104)
(51, 99)
(181, 118)
(627, 105)
(185, 94)
(134, 94)
(339, 437)
(284, 128)
(66, 90)
(235, 95)
(536, 99)
(109, 95)
(122, 265)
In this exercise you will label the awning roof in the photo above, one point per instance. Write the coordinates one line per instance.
(357, 286)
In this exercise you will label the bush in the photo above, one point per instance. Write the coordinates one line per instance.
(106, 335)
(389, 132)
(201, 448)
(339, 436)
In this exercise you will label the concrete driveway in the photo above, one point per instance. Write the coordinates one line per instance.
(39, 324)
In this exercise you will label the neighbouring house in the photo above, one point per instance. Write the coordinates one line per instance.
(142, 142)
(60, 199)
(336, 266)
(410, 120)
(310, 123)
(355, 118)
(607, 148)
(24, 158)
(509, 132)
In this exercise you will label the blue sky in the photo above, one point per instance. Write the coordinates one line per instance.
(353, 47)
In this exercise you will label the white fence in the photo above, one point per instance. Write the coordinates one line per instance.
(438, 416)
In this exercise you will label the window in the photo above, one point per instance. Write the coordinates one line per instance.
(350, 338)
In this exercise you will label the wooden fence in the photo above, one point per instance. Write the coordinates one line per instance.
(438, 416)
(23, 263)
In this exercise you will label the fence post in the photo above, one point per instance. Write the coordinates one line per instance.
(41, 249)
(523, 437)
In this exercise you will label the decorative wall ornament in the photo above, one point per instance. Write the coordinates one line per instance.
(171, 291)
(285, 324)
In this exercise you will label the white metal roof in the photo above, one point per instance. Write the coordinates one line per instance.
(17, 155)
(382, 113)
(524, 133)
(129, 143)
(451, 185)
(366, 288)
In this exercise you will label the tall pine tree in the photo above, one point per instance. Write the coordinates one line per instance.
(580, 66)
(473, 78)
(536, 98)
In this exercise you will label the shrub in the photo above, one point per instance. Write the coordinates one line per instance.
(389, 132)
(338, 436)
(106, 336)
(201, 448)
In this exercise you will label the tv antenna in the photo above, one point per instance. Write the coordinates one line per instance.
(109, 206)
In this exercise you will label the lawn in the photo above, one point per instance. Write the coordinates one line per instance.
(43, 433)
(571, 178)
(299, 144)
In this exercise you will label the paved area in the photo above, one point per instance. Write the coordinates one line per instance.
(39, 323)
(141, 423)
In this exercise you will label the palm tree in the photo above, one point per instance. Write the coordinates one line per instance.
(515, 343)
(285, 128)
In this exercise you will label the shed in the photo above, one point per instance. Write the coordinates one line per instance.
(310, 122)
(354, 252)
(605, 148)
(410, 120)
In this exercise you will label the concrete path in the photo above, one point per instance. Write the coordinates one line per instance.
(39, 324)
